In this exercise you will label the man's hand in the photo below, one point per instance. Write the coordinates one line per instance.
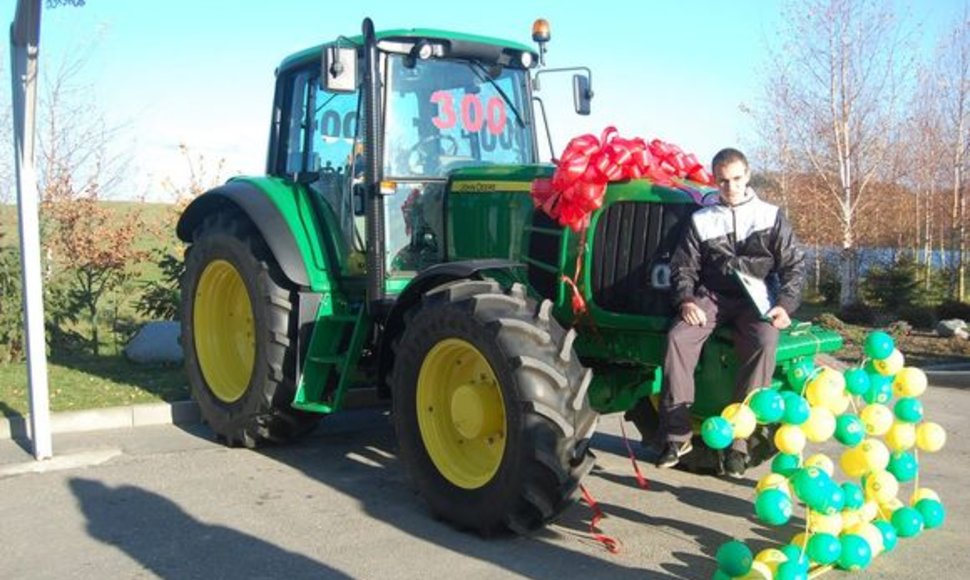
(779, 317)
(693, 314)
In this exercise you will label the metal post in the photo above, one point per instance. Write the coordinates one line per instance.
(24, 47)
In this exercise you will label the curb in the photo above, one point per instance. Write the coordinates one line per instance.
(177, 413)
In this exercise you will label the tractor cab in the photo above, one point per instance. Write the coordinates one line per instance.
(375, 126)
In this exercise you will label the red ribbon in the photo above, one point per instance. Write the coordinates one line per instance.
(588, 164)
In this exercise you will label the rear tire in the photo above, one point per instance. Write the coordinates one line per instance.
(238, 324)
(490, 408)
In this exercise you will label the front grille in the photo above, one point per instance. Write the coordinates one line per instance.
(632, 247)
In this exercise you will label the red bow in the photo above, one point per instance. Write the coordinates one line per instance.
(588, 164)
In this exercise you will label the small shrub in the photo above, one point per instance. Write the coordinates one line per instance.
(160, 300)
(858, 313)
(830, 321)
(953, 309)
(894, 286)
(899, 328)
(919, 316)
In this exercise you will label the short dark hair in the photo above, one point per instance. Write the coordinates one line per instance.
(728, 155)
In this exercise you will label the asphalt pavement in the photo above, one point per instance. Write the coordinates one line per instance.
(167, 501)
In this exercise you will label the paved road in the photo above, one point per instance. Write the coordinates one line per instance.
(167, 502)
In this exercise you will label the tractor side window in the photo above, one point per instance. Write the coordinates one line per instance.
(322, 141)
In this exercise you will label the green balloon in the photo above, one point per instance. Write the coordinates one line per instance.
(795, 556)
(903, 465)
(853, 495)
(797, 408)
(889, 537)
(856, 553)
(721, 575)
(768, 406)
(880, 389)
(849, 430)
(817, 490)
(908, 522)
(717, 432)
(773, 507)
(932, 512)
(734, 558)
(799, 372)
(856, 381)
(878, 345)
(791, 571)
(785, 464)
(824, 548)
(909, 410)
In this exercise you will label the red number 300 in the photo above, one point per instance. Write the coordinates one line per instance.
(473, 115)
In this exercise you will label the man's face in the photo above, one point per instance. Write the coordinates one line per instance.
(732, 181)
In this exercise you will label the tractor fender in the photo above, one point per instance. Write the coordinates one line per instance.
(431, 277)
(261, 211)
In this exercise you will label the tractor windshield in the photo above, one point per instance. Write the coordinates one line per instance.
(446, 114)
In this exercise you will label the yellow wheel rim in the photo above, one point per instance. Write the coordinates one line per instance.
(224, 332)
(461, 414)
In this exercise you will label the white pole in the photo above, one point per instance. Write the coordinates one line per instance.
(24, 47)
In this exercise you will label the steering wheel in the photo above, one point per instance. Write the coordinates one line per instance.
(421, 152)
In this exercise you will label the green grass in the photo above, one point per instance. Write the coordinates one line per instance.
(79, 382)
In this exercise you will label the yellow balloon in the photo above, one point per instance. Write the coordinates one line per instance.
(901, 436)
(923, 493)
(826, 389)
(871, 534)
(840, 405)
(821, 461)
(790, 439)
(741, 418)
(909, 382)
(774, 481)
(820, 425)
(828, 524)
(759, 571)
(881, 486)
(876, 454)
(853, 463)
(850, 519)
(869, 511)
(890, 365)
(930, 436)
(799, 539)
(886, 509)
(772, 558)
(877, 419)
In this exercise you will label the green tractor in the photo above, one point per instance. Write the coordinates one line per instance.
(394, 242)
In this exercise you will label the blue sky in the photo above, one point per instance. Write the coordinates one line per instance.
(201, 71)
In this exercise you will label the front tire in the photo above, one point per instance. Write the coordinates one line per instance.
(238, 321)
(490, 408)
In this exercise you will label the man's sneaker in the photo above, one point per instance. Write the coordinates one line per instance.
(672, 453)
(735, 463)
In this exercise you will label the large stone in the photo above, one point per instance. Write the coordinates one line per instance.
(156, 342)
(948, 328)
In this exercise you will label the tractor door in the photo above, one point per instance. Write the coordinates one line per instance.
(323, 151)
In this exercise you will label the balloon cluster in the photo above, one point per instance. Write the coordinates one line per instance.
(588, 164)
(847, 523)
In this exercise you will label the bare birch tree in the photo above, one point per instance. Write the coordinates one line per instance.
(839, 65)
(953, 81)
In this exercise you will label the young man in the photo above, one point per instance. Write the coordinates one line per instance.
(741, 233)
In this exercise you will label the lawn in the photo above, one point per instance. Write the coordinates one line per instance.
(88, 382)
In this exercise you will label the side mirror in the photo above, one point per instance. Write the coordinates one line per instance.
(338, 70)
(581, 94)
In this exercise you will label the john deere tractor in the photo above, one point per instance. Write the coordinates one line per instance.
(393, 242)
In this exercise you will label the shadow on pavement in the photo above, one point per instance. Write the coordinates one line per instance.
(164, 539)
(353, 452)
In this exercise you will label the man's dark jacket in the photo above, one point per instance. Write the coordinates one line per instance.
(753, 237)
